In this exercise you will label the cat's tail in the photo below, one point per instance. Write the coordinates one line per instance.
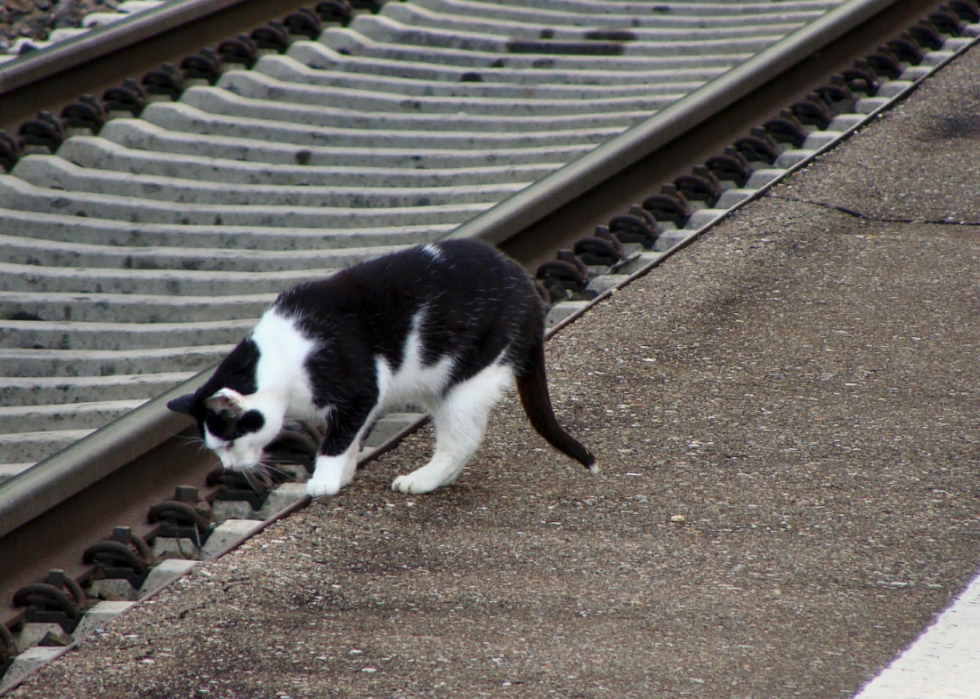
(532, 386)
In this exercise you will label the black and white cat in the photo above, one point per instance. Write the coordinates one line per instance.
(446, 326)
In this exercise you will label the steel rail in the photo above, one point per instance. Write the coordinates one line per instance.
(52, 481)
(64, 475)
(658, 149)
(145, 40)
(106, 40)
(542, 198)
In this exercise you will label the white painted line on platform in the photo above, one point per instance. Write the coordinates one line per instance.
(942, 663)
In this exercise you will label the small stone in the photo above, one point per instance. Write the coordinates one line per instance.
(55, 638)
(113, 590)
(41, 634)
(232, 509)
(680, 519)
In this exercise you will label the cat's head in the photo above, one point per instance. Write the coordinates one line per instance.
(236, 427)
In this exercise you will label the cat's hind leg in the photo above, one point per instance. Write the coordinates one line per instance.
(460, 420)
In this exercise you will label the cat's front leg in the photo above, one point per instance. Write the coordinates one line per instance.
(332, 473)
(337, 459)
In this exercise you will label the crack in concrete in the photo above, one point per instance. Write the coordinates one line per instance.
(876, 219)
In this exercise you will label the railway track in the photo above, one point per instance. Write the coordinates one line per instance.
(146, 230)
(146, 251)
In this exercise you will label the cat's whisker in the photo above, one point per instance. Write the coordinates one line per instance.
(267, 474)
(196, 443)
(263, 477)
(250, 477)
(272, 470)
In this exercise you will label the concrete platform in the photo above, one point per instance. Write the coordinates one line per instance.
(786, 418)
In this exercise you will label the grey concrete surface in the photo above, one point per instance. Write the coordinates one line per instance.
(42, 226)
(95, 152)
(23, 449)
(320, 56)
(358, 43)
(151, 282)
(288, 67)
(18, 194)
(56, 253)
(141, 308)
(927, 174)
(506, 109)
(519, 27)
(70, 363)
(128, 336)
(555, 12)
(139, 134)
(56, 173)
(388, 27)
(266, 96)
(37, 390)
(183, 116)
(786, 419)
(25, 418)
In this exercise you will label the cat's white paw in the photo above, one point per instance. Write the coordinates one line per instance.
(319, 487)
(413, 484)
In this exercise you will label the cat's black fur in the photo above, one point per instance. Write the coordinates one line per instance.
(478, 306)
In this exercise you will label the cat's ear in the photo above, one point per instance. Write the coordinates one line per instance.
(183, 404)
(223, 403)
